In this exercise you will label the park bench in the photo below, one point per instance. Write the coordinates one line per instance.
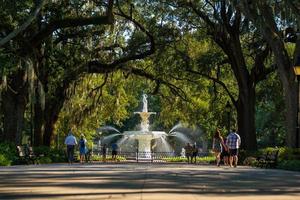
(268, 160)
(26, 155)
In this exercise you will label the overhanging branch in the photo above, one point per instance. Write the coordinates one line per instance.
(23, 26)
(215, 80)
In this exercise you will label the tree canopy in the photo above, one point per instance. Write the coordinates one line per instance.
(84, 64)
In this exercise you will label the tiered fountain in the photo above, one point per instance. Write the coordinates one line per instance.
(145, 136)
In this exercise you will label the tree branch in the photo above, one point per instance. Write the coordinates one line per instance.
(98, 67)
(216, 81)
(73, 22)
(23, 26)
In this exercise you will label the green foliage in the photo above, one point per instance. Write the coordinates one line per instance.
(246, 154)
(95, 100)
(284, 153)
(47, 153)
(45, 160)
(4, 161)
(8, 154)
(269, 117)
(289, 165)
(288, 158)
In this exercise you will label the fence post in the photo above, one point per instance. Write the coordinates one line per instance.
(137, 155)
(152, 154)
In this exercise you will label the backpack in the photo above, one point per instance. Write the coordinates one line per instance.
(82, 143)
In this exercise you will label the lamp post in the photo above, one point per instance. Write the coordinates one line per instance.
(228, 110)
(297, 72)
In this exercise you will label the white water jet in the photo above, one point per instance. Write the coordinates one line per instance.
(179, 125)
(108, 128)
(182, 137)
(108, 138)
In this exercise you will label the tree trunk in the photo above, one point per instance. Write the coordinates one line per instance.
(49, 131)
(39, 125)
(52, 110)
(13, 106)
(51, 117)
(246, 119)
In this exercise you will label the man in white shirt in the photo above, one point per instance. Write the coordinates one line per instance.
(70, 141)
(233, 143)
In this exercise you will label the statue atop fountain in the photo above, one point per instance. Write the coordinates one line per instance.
(145, 115)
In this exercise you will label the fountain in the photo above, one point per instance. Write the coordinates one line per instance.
(145, 136)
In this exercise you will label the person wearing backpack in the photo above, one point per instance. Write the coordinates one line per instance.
(82, 148)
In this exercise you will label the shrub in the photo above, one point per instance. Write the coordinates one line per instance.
(250, 161)
(55, 155)
(289, 165)
(45, 160)
(4, 161)
(285, 153)
(8, 154)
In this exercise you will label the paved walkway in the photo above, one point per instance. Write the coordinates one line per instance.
(147, 182)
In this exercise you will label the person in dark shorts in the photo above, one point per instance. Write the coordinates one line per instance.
(224, 153)
(104, 147)
(194, 154)
(114, 152)
(188, 152)
(233, 142)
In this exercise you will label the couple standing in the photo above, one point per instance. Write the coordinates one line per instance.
(224, 148)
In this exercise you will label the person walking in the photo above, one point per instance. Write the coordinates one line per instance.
(233, 142)
(114, 152)
(217, 146)
(82, 148)
(104, 152)
(70, 141)
(194, 154)
(188, 152)
(224, 153)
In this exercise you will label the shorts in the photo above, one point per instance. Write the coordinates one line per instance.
(224, 153)
(188, 154)
(233, 152)
(114, 152)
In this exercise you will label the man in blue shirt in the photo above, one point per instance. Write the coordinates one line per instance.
(233, 143)
(70, 141)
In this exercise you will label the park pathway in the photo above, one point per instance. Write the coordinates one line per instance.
(145, 181)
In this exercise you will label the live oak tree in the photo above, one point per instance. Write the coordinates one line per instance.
(245, 51)
(271, 18)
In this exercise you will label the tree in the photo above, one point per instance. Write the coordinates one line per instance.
(228, 29)
(269, 22)
(23, 45)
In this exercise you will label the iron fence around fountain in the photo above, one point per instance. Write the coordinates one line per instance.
(136, 156)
